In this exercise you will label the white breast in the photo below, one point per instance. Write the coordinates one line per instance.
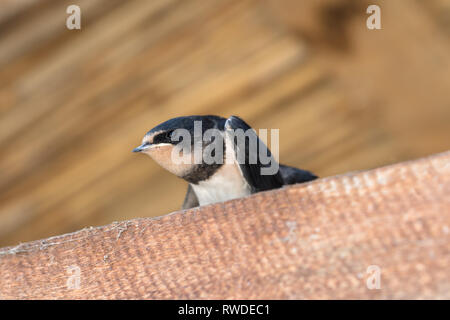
(226, 184)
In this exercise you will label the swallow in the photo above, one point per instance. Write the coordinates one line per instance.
(238, 167)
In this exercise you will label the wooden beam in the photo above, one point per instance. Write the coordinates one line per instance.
(321, 240)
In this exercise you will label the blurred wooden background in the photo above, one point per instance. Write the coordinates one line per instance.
(73, 103)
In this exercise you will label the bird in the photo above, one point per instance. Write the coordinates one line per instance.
(239, 167)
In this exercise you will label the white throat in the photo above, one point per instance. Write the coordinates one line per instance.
(226, 184)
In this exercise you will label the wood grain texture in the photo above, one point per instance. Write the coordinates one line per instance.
(73, 103)
(310, 241)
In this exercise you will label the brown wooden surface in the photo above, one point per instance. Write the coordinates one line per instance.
(310, 241)
(74, 103)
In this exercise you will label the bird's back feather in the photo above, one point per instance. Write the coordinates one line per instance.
(293, 175)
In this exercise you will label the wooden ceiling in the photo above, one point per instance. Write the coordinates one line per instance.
(73, 103)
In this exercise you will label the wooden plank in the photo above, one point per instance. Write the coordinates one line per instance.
(73, 103)
(310, 241)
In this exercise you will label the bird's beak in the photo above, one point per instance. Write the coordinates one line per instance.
(141, 148)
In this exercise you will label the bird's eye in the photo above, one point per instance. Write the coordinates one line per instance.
(169, 135)
(164, 137)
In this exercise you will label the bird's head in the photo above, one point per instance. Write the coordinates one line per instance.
(170, 138)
